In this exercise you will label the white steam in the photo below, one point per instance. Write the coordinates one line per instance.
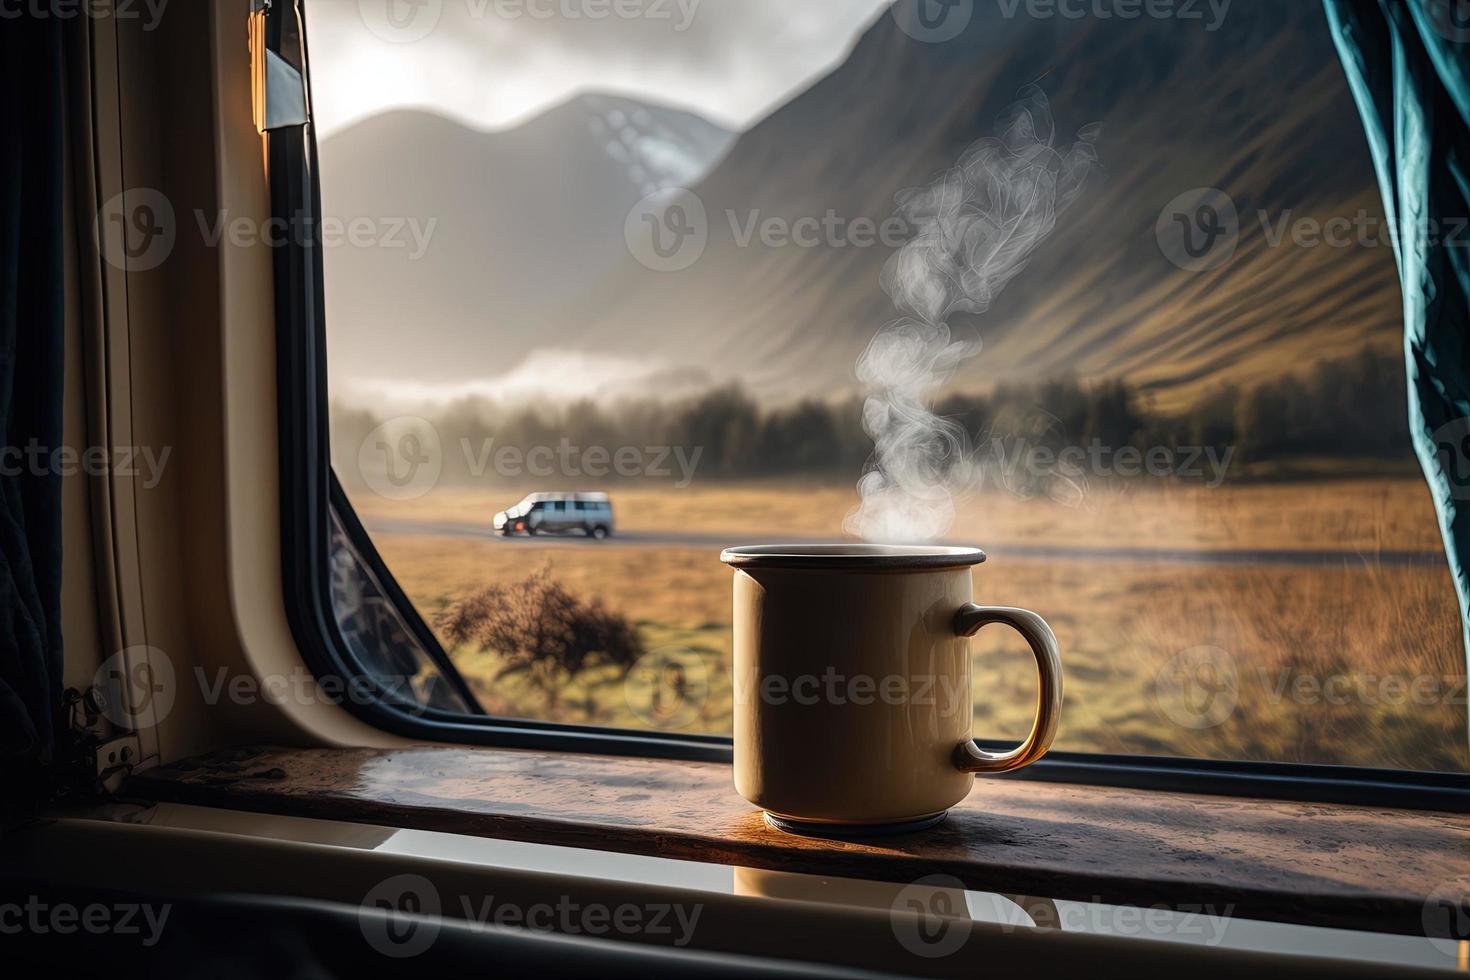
(974, 229)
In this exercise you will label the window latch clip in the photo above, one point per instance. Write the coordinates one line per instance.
(278, 87)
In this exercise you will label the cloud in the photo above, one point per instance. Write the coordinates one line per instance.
(495, 63)
(544, 375)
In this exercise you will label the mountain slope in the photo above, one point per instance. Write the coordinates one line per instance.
(520, 219)
(1258, 108)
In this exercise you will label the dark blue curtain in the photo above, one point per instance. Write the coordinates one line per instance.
(31, 333)
(1406, 62)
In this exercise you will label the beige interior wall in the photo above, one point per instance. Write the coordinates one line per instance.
(181, 358)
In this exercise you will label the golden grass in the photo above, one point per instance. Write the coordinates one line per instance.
(1367, 515)
(1297, 638)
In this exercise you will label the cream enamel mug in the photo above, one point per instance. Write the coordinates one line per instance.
(853, 701)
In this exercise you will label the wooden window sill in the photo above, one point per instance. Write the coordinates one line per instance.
(1348, 867)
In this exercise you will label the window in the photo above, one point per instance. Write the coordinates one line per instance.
(653, 257)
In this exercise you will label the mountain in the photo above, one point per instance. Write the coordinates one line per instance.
(520, 220)
(1258, 108)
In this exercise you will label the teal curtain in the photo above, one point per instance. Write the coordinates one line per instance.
(1406, 63)
(31, 330)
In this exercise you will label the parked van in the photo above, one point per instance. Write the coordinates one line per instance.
(558, 513)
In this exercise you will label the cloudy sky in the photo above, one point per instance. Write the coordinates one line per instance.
(495, 63)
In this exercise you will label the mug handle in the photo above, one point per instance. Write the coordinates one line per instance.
(968, 756)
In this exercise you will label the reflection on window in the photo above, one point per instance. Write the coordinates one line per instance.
(382, 646)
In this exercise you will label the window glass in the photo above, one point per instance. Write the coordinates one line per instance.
(670, 254)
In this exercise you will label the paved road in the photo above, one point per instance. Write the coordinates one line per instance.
(715, 542)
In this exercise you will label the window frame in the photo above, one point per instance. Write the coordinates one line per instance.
(310, 493)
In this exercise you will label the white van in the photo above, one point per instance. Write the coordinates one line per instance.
(558, 513)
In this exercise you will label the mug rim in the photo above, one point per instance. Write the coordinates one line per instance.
(852, 556)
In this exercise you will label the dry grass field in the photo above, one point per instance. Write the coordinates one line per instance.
(1364, 515)
(1349, 661)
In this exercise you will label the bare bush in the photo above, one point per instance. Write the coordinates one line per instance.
(540, 630)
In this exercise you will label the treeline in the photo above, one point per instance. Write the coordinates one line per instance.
(1348, 410)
